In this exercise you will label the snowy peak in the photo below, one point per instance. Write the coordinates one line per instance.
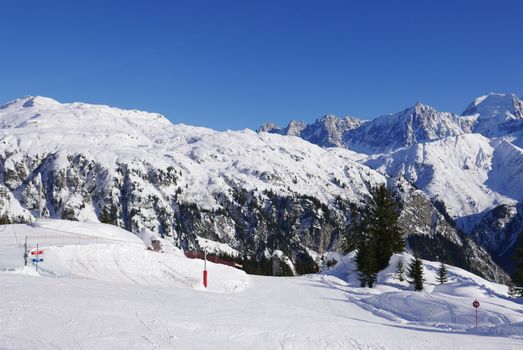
(294, 128)
(37, 101)
(45, 114)
(384, 134)
(326, 131)
(496, 114)
(30, 101)
(416, 124)
(329, 130)
(269, 127)
(494, 104)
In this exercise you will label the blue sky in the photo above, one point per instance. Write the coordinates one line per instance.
(235, 64)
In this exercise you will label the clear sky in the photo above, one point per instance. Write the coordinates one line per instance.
(236, 64)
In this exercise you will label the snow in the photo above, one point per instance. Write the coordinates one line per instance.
(493, 111)
(108, 253)
(470, 173)
(213, 247)
(419, 123)
(94, 294)
(211, 161)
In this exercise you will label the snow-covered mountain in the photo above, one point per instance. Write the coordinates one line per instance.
(255, 192)
(270, 199)
(469, 173)
(470, 163)
(417, 124)
(327, 131)
(496, 114)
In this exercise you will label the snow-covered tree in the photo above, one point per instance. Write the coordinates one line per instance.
(400, 271)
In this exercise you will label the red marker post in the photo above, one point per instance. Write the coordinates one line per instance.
(476, 306)
(205, 269)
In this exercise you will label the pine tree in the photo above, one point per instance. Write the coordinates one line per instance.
(513, 291)
(376, 234)
(381, 221)
(105, 218)
(366, 261)
(517, 274)
(415, 273)
(400, 271)
(4, 220)
(442, 274)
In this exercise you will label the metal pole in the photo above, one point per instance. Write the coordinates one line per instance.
(40, 198)
(476, 317)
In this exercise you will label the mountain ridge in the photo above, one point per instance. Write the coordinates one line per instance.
(256, 192)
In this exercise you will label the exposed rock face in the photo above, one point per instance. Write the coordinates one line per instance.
(498, 231)
(433, 237)
(327, 131)
(417, 124)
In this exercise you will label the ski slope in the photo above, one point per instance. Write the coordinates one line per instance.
(97, 293)
(102, 252)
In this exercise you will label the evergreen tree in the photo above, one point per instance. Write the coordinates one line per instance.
(517, 274)
(514, 291)
(4, 220)
(376, 234)
(442, 274)
(400, 271)
(381, 222)
(105, 218)
(114, 214)
(367, 265)
(415, 273)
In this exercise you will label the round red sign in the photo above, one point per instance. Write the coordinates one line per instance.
(475, 304)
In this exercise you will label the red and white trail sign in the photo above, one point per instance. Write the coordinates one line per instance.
(37, 252)
(476, 306)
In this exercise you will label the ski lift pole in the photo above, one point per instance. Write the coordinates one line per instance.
(205, 268)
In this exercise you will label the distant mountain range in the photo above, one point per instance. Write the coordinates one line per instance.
(473, 162)
(277, 197)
